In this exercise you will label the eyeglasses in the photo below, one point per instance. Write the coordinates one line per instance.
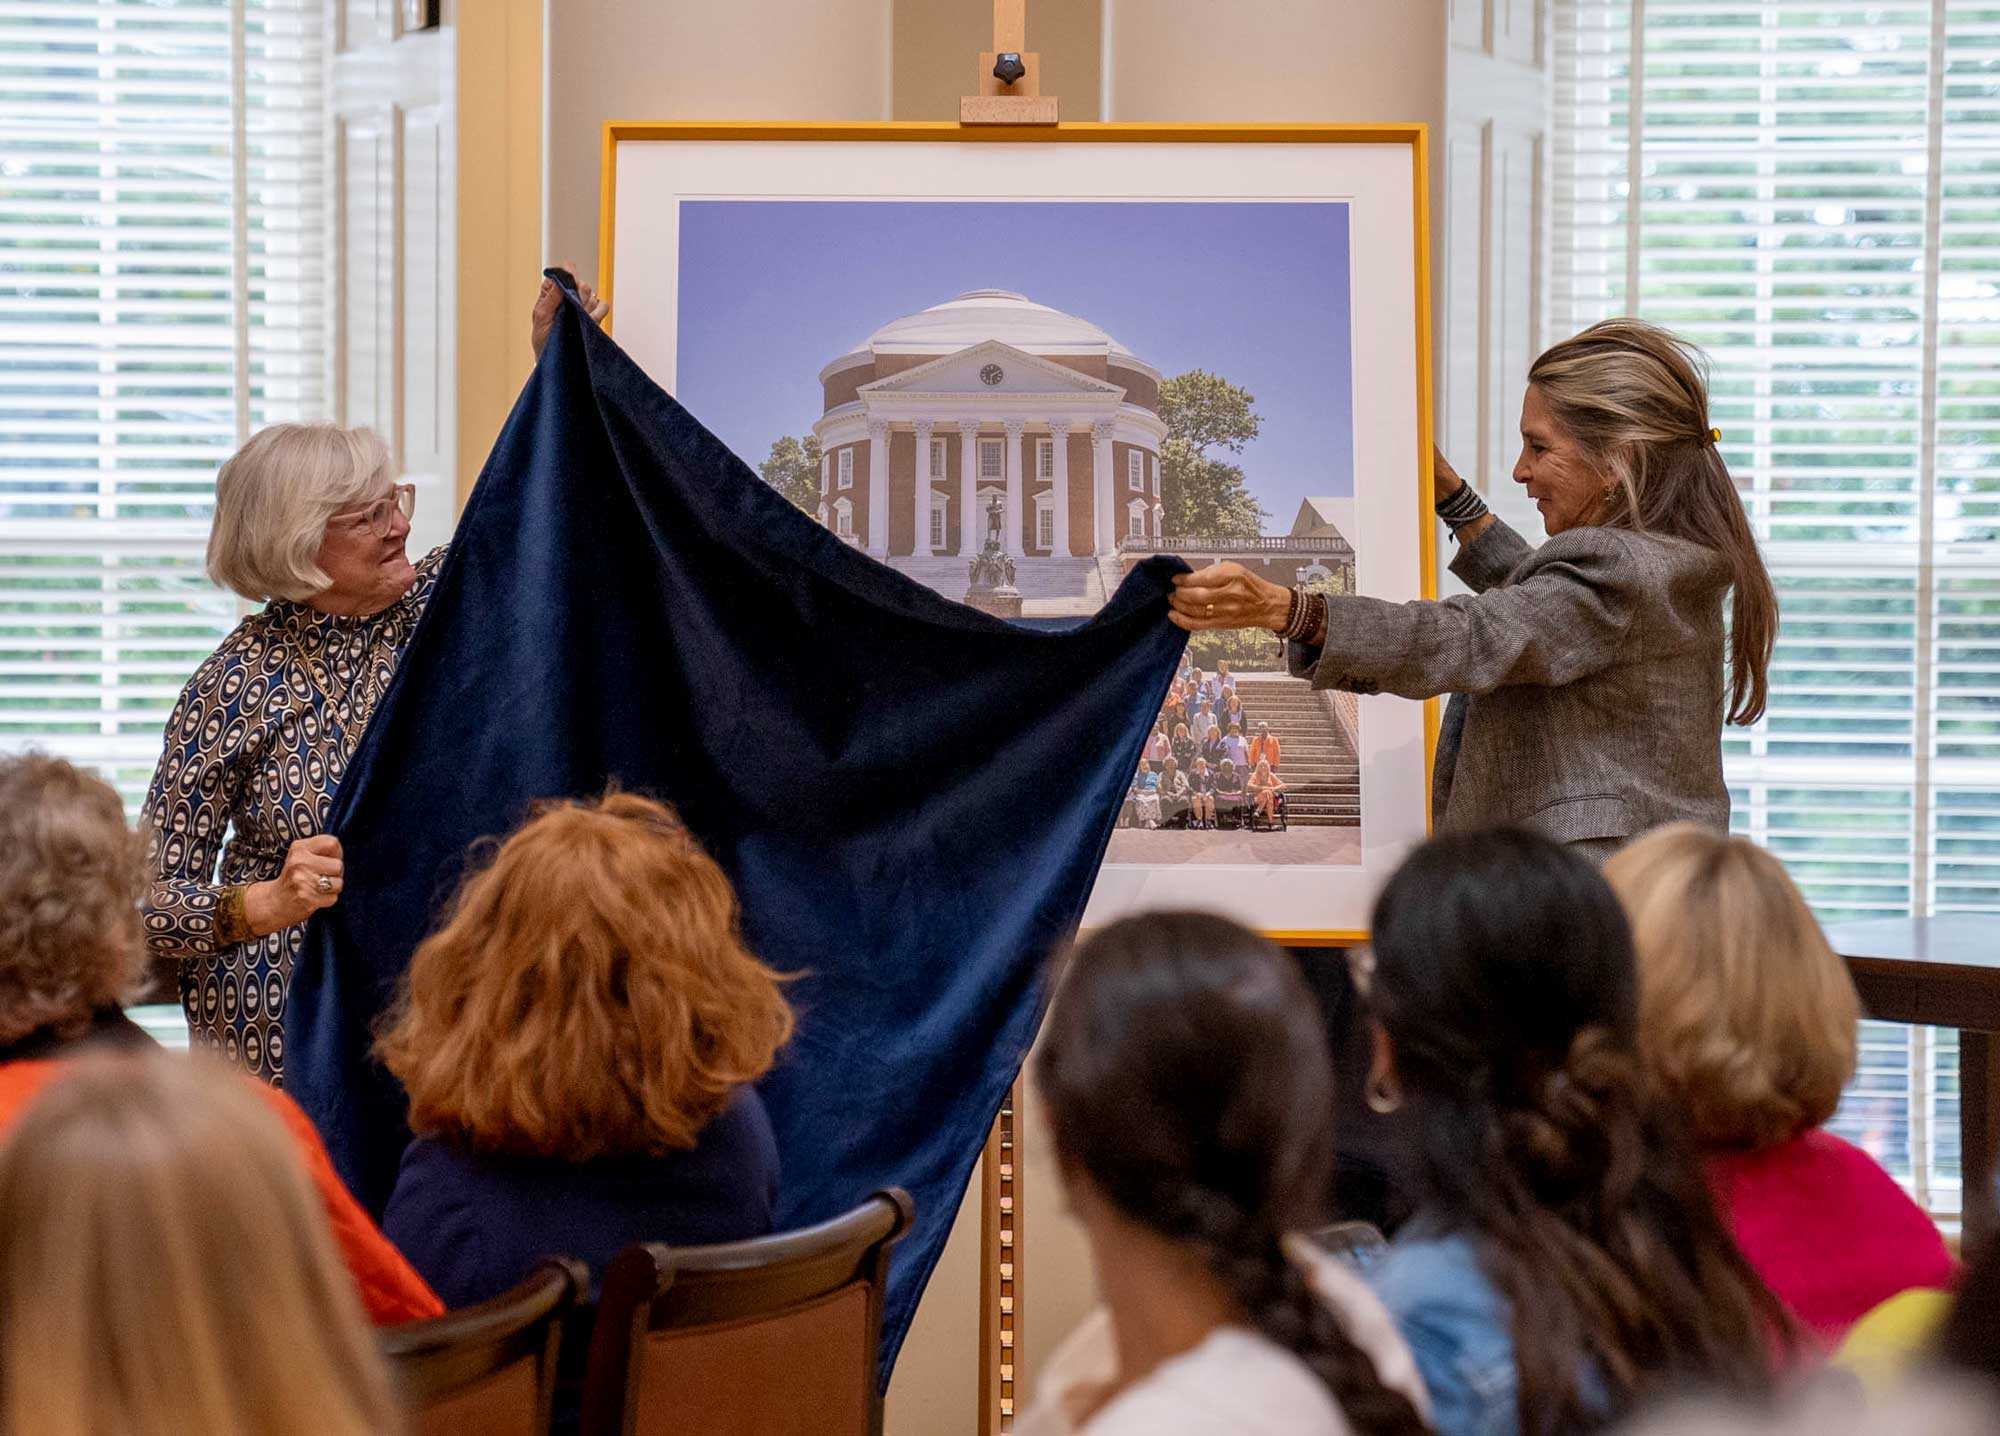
(378, 516)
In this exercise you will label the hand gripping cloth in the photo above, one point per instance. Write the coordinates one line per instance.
(912, 797)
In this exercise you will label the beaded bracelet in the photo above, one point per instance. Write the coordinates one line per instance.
(1462, 508)
(1304, 616)
(1292, 614)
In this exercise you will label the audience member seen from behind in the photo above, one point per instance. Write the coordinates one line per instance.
(1566, 1262)
(168, 1268)
(72, 876)
(578, 1044)
(1748, 1026)
(1187, 1082)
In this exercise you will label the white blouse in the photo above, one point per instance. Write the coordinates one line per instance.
(1236, 1383)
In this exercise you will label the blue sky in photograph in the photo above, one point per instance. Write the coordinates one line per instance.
(771, 290)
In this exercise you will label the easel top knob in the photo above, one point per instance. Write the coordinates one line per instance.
(1010, 76)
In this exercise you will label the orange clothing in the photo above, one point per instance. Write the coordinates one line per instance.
(391, 1290)
(1264, 750)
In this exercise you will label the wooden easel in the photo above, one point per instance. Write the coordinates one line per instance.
(1000, 102)
(1003, 102)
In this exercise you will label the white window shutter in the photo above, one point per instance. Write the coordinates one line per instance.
(1813, 209)
(162, 232)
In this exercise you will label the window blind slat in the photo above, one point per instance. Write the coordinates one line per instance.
(1785, 174)
(119, 371)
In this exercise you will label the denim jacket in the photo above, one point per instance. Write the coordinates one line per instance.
(1459, 1327)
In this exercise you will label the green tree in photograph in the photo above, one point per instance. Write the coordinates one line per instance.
(793, 470)
(1202, 493)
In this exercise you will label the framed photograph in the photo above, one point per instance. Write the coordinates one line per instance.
(1078, 346)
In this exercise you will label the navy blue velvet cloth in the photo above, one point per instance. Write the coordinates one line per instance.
(912, 797)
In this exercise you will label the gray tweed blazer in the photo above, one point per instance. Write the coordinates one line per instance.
(1586, 679)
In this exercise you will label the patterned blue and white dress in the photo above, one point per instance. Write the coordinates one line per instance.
(254, 750)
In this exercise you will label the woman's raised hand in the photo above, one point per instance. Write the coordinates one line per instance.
(1444, 478)
(548, 304)
(314, 872)
(1227, 595)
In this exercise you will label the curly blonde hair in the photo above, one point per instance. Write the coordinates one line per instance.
(71, 878)
(590, 994)
(1748, 1020)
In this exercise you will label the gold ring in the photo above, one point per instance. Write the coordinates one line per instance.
(1209, 612)
(325, 883)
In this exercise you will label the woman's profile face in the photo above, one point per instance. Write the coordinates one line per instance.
(370, 571)
(1567, 488)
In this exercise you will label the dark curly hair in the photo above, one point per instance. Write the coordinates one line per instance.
(1505, 978)
(1186, 1075)
(71, 876)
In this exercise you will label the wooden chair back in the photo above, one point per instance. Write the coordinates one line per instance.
(778, 1336)
(487, 1370)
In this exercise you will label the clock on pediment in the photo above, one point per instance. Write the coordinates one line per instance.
(992, 374)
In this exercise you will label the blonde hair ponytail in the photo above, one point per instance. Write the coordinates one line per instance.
(1635, 398)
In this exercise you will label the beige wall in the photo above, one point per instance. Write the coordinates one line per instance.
(499, 214)
(1277, 61)
(938, 44)
(1332, 61)
(724, 60)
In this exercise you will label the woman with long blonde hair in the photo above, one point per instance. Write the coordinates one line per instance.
(1590, 677)
(168, 1268)
(578, 1043)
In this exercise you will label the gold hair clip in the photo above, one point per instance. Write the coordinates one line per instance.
(1715, 436)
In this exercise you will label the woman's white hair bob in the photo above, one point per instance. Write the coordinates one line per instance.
(273, 498)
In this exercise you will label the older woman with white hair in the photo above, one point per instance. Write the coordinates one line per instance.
(311, 522)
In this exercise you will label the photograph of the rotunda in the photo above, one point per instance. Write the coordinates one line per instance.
(1056, 392)
(992, 415)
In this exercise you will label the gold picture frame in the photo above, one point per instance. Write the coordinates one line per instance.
(1002, 1227)
(1415, 136)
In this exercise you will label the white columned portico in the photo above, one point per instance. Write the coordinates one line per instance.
(1059, 440)
(878, 488)
(1011, 540)
(920, 541)
(971, 522)
(1103, 519)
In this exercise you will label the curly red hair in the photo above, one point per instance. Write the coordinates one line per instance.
(590, 994)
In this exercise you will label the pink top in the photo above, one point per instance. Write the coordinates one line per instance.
(1829, 1231)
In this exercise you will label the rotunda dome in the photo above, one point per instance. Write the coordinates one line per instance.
(982, 314)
